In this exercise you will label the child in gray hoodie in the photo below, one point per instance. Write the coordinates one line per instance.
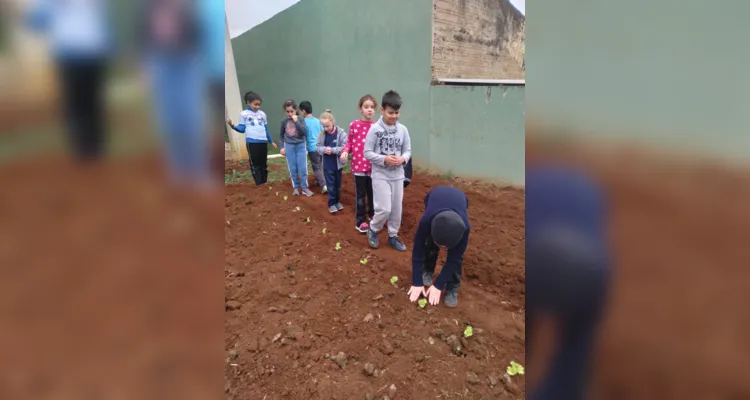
(388, 148)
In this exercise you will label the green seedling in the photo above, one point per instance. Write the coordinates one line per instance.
(286, 197)
(363, 261)
(468, 331)
(297, 209)
(270, 187)
(394, 280)
(324, 231)
(515, 369)
(422, 303)
(308, 220)
(338, 246)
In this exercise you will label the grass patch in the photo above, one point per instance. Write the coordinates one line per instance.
(277, 172)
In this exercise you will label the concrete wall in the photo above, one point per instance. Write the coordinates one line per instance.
(331, 52)
(478, 131)
(481, 39)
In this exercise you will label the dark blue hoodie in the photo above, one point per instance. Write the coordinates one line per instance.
(567, 272)
(440, 198)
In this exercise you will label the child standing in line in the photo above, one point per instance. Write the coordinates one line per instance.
(330, 144)
(254, 124)
(361, 168)
(313, 130)
(388, 148)
(293, 132)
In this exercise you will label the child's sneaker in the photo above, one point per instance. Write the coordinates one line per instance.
(427, 278)
(295, 192)
(339, 206)
(362, 228)
(395, 242)
(372, 239)
(451, 298)
(324, 190)
(332, 209)
(307, 192)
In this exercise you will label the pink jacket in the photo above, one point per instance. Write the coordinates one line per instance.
(356, 146)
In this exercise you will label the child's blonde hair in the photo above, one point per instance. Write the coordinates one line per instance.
(327, 116)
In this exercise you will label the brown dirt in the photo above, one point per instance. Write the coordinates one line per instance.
(294, 302)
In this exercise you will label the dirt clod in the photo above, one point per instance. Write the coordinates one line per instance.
(340, 359)
(233, 305)
(369, 369)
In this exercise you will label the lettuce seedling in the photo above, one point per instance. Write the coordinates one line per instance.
(308, 220)
(468, 331)
(297, 208)
(394, 280)
(363, 261)
(338, 246)
(515, 369)
(324, 231)
(422, 303)
(286, 197)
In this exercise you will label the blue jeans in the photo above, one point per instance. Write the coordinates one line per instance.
(333, 181)
(296, 161)
(178, 94)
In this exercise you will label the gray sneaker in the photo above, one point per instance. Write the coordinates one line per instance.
(332, 209)
(295, 192)
(395, 242)
(372, 239)
(427, 278)
(307, 192)
(451, 298)
(339, 206)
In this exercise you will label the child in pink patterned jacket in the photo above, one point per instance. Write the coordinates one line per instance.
(360, 167)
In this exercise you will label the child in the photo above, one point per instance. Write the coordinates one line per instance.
(388, 148)
(293, 132)
(254, 124)
(361, 168)
(329, 146)
(444, 225)
(313, 130)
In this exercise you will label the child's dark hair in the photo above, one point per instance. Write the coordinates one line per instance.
(290, 103)
(252, 96)
(391, 99)
(366, 97)
(306, 106)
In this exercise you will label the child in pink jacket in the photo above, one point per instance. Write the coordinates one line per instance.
(360, 167)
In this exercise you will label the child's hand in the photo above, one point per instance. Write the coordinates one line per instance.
(433, 295)
(295, 117)
(276, 146)
(391, 160)
(283, 152)
(415, 292)
(328, 150)
(229, 121)
(344, 156)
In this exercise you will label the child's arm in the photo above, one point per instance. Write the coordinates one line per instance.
(283, 131)
(452, 262)
(301, 127)
(319, 145)
(344, 139)
(268, 135)
(370, 155)
(241, 127)
(406, 147)
(418, 252)
(348, 147)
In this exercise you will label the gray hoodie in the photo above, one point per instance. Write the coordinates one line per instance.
(341, 138)
(383, 140)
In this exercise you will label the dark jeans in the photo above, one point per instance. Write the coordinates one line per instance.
(333, 181)
(363, 207)
(258, 161)
(316, 162)
(82, 85)
(430, 261)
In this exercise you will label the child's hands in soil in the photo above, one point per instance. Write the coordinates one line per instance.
(283, 152)
(344, 156)
(415, 292)
(433, 295)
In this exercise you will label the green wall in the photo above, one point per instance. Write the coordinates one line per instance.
(331, 52)
(478, 131)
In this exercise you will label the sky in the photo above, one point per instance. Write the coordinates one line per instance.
(243, 15)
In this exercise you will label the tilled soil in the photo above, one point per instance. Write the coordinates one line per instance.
(307, 321)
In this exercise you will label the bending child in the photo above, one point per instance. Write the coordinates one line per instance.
(361, 168)
(388, 148)
(329, 146)
(293, 132)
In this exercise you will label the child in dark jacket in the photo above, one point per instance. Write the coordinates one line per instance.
(330, 144)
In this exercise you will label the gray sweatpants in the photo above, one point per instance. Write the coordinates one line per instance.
(316, 161)
(387, 197)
